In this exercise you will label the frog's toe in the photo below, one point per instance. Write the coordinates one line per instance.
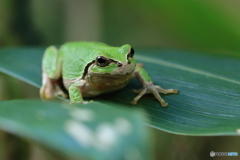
(166, 91)
(82, 102)
(164, 104)
(133, 102)
(175, 91)
(140, 92)
(155, 91)
(60, 92)
(87, 102)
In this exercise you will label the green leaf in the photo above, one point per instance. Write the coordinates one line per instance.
(93, 131)
(209, 84)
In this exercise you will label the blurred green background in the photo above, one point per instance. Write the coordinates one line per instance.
(200, 25)
(193, 25)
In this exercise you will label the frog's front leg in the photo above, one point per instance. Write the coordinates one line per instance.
(75, 93)
(149, 87)
(51, 66)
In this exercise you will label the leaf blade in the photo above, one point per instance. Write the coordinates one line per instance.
(48, 123)
(209, 91)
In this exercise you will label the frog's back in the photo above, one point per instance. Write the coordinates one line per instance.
(76, 55)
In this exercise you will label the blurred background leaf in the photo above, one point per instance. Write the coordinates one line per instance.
(58, 126)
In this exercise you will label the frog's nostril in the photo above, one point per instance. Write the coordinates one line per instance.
(119, 64)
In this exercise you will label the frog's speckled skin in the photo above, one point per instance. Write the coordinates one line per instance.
(75, 66)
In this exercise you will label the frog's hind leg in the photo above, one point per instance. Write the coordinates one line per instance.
(51, 66)
(47, 90)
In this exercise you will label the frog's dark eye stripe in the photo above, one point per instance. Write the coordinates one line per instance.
(86, 68)
(131, 53)
(118, 63)
(102, 61)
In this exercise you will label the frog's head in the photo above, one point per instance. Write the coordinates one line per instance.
(114, 61)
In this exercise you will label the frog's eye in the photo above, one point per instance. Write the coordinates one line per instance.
(101, 61)
(131, 53)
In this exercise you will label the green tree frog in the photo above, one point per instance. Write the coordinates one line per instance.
(87, 69)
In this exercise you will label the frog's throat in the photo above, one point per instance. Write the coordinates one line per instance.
(103, 83)
(95, 78)
(95, 84)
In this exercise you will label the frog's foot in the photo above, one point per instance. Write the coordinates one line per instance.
(82, 102)
(60, 92)
(150, 88)
(47, 90)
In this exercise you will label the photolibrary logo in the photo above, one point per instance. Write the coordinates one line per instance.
(212, 154)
